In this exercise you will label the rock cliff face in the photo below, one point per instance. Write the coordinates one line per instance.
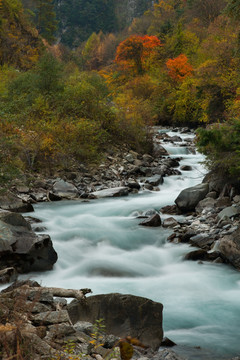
(78, 19)
(127, 10)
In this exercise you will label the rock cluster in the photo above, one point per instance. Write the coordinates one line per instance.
(212, 223)
(21, 250)
(39, 321)
(121, 173)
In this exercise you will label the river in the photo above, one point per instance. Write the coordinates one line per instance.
(101, 246)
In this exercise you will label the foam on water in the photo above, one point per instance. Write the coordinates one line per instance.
(102, 247)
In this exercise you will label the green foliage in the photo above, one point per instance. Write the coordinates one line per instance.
(46, 19)
(221, 144)
(80, 18)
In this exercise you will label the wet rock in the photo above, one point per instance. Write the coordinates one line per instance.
(167, 354)
(12, 203)
(212, 194)
(147, 159)
(236, 199)
(185, 168)
(21, 248)
(201, 255)
(84, 326)
(175, 138)
(123, 314)
(188, 199)
(170, 209)
(145, 171)
(229, 212)
(111, 192)
(8, 275)
(130, 158)
(186, 236)
(52, 317)
(207, 203)
(22, 189)
(153, 221)
(229, 247)
(166, 342)
(155, 180)
(159, 150)
(201, 240)
(148, 187)
(64, 189)
(133, 184)
(170, 222)
(223, 202)
(149, 212)
(39, 196)
(171, 163)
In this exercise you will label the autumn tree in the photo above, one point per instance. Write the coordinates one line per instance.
(179, 68)
(133, 51)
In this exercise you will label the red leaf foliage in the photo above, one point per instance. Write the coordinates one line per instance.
(179, 68)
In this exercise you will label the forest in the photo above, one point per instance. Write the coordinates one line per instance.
(69, 94)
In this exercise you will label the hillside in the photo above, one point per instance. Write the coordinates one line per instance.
(178, 63)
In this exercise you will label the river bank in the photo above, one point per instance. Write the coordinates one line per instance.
(101, 256)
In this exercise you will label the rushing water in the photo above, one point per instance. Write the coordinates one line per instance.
(101, 246)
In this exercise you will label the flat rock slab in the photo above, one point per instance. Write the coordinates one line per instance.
(111, 192)
(230, 211)
(51, 317)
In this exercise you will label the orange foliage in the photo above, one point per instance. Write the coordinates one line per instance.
(179, 68)
(133, 51)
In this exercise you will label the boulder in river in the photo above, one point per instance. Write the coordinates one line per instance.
(123, 315)
(64, 189)
(153, 221)
(11, 202)
(111, 192)
(155, 180)
(21, 248)
(188, 198)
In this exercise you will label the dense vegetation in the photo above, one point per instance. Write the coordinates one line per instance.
(176, 64)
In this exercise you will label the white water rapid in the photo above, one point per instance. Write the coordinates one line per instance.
(101, 246)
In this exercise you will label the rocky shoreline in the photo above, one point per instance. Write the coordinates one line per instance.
(211, 223)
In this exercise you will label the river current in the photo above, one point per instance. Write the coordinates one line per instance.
(101, 246)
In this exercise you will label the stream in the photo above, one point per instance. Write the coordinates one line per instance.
(101, 246)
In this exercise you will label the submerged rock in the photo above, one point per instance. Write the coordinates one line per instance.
(153, 221)
(111, 192)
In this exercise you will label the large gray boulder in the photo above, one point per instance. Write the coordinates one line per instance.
(111, 192)
(123, 315)
(64, 189)
(188, 198)
(11, 202)
(229, 247)
(21, 248)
